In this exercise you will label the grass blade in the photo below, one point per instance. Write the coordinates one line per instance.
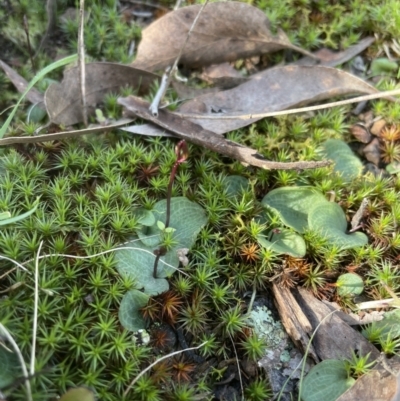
(35, 80)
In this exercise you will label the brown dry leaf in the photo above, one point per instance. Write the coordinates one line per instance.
(34, 96)
(334, 338)
(216, 71)
(186, 92)
(275, 89)
(329, 58)
(63, 99)
(225, 31)
(224, 76)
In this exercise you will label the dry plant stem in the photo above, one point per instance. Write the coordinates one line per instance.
(157, 361)
(380, 95)
(168, 215)
(4, 332)
(160, 93)
(168, 74)
(252, 299)
(99, 254)
(7, 273)
(28, 41)
(62, 135)
(238, 367)
(81, 61)
(35, 311)
(171, 182)
(383, 303)
(177, 4)
(15, 262)
(51, 11)
(181, 151)
(355, 221)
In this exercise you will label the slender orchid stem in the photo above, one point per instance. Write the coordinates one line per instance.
(181, 151)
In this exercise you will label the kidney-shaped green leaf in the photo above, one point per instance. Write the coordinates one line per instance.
(146, 217)
(326, 381)
(138, 263)
(284, 242)
(235, 184)
(346, 162)
(293, 205)
(349, 284)
(187, 218)
(329, 220)
(129, 313)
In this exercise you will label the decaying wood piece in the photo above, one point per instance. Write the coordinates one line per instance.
(194, 133)
(334, 339)
(293, 319)
(380, 384)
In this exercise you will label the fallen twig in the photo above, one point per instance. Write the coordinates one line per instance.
(194, 133)
(169, 71)
(62, 135)
(155, 363)
(35, 311)
(81, 60)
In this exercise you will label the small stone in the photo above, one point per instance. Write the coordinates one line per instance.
(361, 133)
(372, 152)
(377, 127)
(249, 367)
(367, 117)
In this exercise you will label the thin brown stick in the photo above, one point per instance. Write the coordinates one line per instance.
(169, 71)
(81, 60)
(238, 367)
(186, 129)
(380, 95)
(51, 10)
(28, 40)
(62, 135)
(7, 273)
(155, 363)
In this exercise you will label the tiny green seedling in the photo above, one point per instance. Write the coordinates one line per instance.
(162, 227)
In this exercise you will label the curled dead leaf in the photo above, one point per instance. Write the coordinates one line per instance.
(225, 31)
(62, 100)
